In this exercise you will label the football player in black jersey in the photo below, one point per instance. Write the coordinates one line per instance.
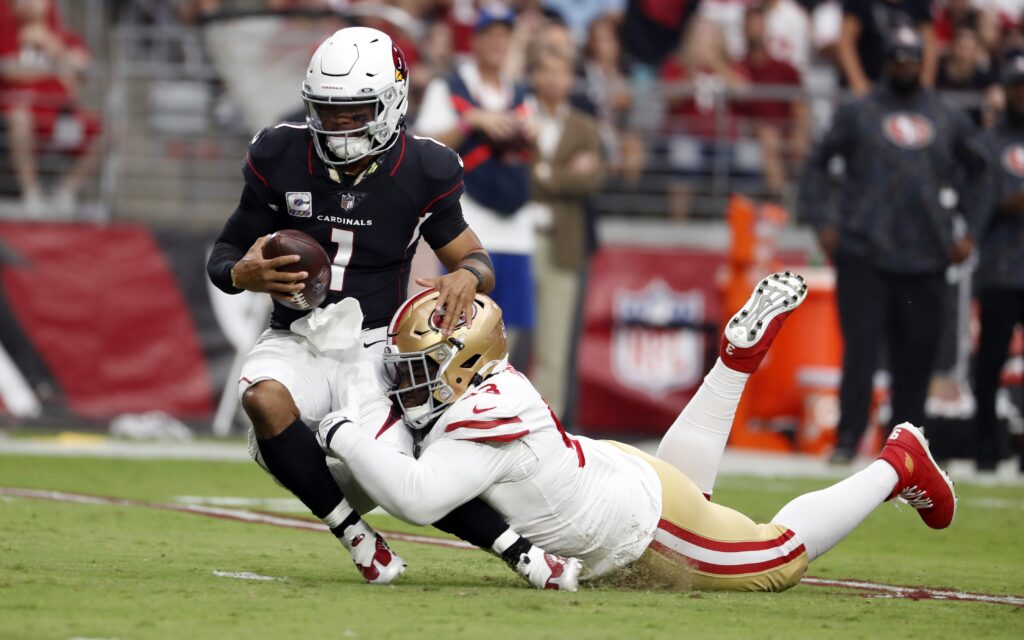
(351, 178)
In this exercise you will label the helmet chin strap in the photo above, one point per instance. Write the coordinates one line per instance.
(419, 418)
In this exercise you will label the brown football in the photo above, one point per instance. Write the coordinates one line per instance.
(314, 261)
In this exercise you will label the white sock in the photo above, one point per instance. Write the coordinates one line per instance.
(505, 540)
(338, 514)
(337, 517)
(822, 518)
(696, 441)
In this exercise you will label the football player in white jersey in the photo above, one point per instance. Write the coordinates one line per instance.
(484, 431)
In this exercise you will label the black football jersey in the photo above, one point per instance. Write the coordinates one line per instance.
(369, 229)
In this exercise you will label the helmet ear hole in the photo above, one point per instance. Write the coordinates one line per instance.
(458, 380)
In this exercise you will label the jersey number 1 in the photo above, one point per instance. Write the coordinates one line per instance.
(345, 240)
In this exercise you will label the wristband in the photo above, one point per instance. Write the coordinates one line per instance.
(475, 272)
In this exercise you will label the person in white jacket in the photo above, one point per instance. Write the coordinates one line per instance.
(484, 431)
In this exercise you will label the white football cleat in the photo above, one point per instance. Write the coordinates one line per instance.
(750, 332)
(375, 560)
(546, 571)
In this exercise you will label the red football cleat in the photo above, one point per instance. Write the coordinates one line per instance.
(923, 485)
(375, 560)
(751, 331)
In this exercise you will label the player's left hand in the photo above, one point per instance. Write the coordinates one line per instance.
(457, 291)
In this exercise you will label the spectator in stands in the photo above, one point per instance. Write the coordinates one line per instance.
(480, 112)
(437, 62)
(701, 124)
(42, 67)
(727, 16)
(652, 30)
(567, 170)
(867, 23)
(1000, 272)
(580, 14)
(966, 72)
(892, 238)
(826, 27)
(606, 86)
(787, 32)
(951, 16)
(821, 78)
(992, 35)
(536, 30)
(779, 123)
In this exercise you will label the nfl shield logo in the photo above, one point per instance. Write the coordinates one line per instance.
(655, 346)
(348, 200)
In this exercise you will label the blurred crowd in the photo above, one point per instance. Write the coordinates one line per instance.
(683, 90)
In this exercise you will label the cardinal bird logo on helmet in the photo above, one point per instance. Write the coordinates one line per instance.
(401, 67)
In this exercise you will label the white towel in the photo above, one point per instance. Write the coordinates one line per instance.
(335, 327)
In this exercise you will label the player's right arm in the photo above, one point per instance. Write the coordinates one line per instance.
(237, 264)
(423, 490)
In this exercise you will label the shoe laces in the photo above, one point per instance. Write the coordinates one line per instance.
(916, 497)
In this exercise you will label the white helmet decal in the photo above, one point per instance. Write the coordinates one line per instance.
(356, 66)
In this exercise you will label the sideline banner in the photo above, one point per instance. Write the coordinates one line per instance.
(102, 320)
(649, 329)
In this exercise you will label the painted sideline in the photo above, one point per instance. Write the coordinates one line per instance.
(239, 515)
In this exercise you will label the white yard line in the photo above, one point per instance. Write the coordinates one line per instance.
(916, 593)
(897, 591)
(111, 448)
(245, 575)
(735, 462)
(238, 515)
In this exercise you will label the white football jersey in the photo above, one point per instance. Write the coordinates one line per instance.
(570, 495)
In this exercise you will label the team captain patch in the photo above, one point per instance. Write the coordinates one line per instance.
(300, 203)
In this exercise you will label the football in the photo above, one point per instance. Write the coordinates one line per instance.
(314, 261)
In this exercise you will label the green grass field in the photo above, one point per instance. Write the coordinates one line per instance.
(128, 572)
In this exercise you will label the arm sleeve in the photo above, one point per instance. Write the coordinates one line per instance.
(422, 491)
(262, 150)
(444, 226)
(250, 220)
(814, 185)
(444, 187)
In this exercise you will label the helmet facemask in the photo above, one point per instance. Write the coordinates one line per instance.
(416, 382)
(345, 146)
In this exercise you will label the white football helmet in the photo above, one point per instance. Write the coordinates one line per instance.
(356, 66)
